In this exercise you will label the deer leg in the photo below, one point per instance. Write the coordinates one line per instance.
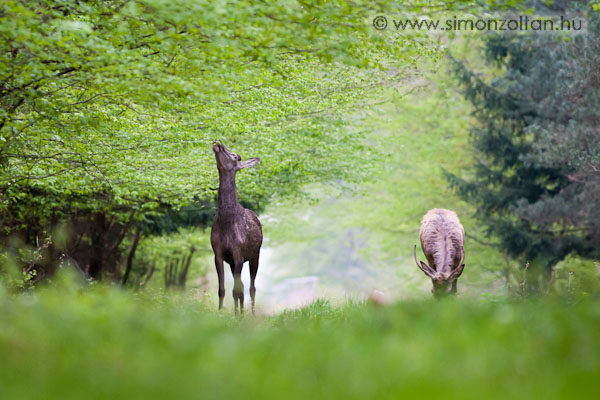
(221, 275)
(235, 303)
(238, 287)
(241, 296)
(253, 271)
(454, 286)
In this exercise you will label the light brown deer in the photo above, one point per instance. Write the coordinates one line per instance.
(236, 234)
(442, 240)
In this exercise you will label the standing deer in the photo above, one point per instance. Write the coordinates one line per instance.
(236, 234)
(442, 240)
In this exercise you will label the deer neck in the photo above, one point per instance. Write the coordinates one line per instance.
(227, 200)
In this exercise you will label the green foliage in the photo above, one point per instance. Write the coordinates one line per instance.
(168, 219)
(108, 107)
(533, 179)
(124, 98)
(101, 343)
(157, 253)
(576, 278)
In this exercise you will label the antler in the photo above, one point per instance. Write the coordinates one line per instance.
(427, 270)
(415, 256)
(456, 272)
(462, 258)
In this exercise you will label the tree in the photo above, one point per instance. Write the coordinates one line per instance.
(108, 107)
(535, 176)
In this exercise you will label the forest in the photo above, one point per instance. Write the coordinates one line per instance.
(205, 199)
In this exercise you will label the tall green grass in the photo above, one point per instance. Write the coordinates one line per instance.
(68, 342)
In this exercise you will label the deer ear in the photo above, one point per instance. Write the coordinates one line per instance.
(457, 272)
(251, 162)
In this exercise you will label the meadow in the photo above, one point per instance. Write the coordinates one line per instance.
(101, 342)
(109, 186)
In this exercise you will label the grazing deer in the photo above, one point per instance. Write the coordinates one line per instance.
(442, 240)
(236, 234)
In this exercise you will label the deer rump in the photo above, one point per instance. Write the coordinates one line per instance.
(442, 240)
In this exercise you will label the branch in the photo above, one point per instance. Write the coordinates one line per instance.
(134, 245)
(124, 231)
(26, 85)
(481, 241)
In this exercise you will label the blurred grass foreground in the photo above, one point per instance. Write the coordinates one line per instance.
(66, 342)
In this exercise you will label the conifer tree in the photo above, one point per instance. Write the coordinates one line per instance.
(536, 179)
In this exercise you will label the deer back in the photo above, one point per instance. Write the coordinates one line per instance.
(442, 240)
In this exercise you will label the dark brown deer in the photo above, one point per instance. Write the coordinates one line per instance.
(442, 240)
(236, 234)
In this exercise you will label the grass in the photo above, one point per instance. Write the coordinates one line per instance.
(98, 343)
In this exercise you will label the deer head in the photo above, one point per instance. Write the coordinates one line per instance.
(443, 280)
(228, 161)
